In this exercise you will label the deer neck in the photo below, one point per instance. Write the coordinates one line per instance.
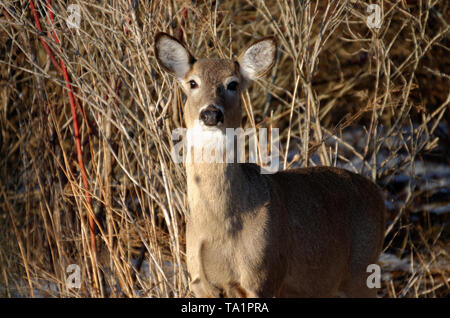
(214, 190)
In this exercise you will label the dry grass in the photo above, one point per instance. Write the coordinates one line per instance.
(373, 100)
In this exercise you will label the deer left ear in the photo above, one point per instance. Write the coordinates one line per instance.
(173, 55)
(258, 58)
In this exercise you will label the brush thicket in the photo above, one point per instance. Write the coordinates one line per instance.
(372, 100)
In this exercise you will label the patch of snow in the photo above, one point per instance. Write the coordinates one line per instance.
(391, 262)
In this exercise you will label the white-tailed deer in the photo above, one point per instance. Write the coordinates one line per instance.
(307, 232)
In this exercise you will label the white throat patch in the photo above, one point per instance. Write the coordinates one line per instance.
(205, 144)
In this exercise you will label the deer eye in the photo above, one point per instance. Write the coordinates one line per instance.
(232, 86)
(193, 84)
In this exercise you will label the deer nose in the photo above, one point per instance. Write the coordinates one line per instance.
(211, 115)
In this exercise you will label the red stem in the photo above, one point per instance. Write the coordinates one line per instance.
(46, 47)
(73, 103)
(183, 19)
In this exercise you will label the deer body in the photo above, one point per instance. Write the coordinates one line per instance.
(307, 232)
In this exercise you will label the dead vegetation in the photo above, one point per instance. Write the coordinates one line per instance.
(373, 100)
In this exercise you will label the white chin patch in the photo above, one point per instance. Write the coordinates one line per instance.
(205, 144)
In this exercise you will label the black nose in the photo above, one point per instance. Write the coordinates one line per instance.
(211, 116)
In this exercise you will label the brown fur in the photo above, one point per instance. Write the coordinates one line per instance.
(308, 232)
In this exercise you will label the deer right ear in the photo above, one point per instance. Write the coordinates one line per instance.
(258, 58)
(172, 55)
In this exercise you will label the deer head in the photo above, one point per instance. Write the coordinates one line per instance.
(214, 86)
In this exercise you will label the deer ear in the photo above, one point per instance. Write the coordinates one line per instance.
(172, 55)
(258, 58)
